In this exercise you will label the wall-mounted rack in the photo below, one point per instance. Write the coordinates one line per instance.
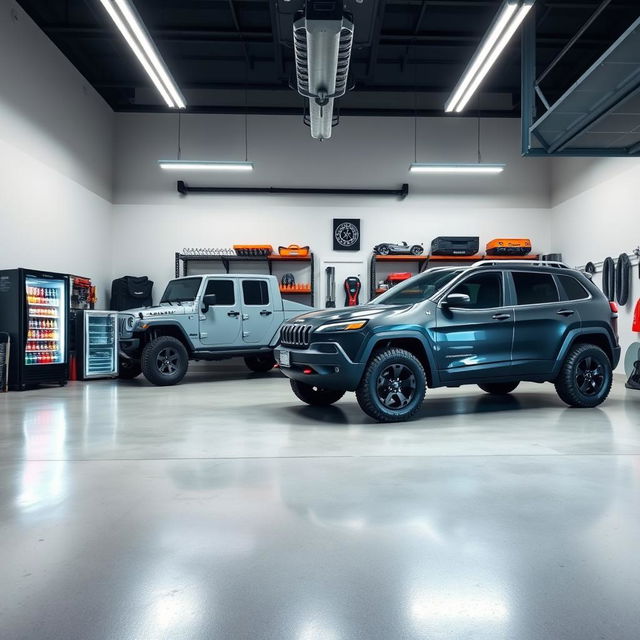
(269, 261)
(634, 256)
(376, 260)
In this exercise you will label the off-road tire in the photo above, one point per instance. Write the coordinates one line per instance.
(314, 395)
(572, 381)
(499, 388)
(154, 356)
(372, 386)
(129, 369)
(260, 364)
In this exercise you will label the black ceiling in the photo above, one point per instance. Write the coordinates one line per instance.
(236, 55)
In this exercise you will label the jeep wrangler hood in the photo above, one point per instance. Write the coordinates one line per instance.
(161, 311)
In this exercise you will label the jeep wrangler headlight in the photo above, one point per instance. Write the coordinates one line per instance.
(349, 325)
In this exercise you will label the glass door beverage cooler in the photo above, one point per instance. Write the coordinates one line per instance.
(34, 311)
(97, 344)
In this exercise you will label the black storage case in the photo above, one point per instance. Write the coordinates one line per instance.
(131, 292)
(455, 246)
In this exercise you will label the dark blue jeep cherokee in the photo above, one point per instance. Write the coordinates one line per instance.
(494, 324)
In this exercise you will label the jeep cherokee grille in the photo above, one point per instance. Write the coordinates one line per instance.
(296, 335)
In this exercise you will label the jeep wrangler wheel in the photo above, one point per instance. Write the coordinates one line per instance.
(393, 386)
(129, 369)
(499, 388)
(165, 361)
(315, 396)
(586, 377)
(260, 364)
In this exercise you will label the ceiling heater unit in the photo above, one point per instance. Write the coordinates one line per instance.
(322, 37)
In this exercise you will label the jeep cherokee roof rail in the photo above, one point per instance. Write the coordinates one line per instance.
(537, 263)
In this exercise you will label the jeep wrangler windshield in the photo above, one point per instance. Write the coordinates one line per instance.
(183, 290)
(419, 288)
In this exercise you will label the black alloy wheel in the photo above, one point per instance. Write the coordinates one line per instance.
(396, 386)
(589, 376)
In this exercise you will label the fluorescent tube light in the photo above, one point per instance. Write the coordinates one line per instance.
(510, 17)
(196, 165)
(130, 25)
(478, 168)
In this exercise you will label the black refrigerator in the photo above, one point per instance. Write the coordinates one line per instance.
(34, 310)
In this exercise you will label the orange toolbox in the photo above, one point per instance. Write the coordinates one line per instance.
(294, 250)
(509, 247)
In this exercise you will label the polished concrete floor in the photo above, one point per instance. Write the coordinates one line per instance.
(224, 509)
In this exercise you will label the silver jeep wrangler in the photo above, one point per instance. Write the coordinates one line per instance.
(209, 317)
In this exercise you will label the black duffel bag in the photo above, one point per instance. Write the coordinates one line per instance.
(131, 292)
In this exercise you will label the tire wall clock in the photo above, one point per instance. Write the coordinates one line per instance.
(346, 234)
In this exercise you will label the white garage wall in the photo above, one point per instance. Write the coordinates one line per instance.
(595, 215)
(151, 221)
(56, 146)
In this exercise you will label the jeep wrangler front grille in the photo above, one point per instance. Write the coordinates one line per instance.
(296, 335)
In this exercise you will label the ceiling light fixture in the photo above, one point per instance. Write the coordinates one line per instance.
(192, 165)
(130, 25)
(504, 26)
(417, 167)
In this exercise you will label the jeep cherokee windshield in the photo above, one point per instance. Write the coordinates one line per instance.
(418, 288)
(183, 290)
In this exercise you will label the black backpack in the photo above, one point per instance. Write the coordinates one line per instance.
(130, 292)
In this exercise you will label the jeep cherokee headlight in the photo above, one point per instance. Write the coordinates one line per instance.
(349, 325)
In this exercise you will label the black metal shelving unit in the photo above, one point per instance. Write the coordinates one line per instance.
(376, 259)
(182, 267)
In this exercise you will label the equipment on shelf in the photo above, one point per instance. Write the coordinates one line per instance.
(131, 292)
(609, 278)
(83, 293)
(455, 245)
(331, 287)
(636, 318)
(509, 247)
(5, 349)
(401, 249)
(352, 286)
(396, 278)
(632, 366)
(623, 279)
(257, 250)
(552, 257)
(288, 280)
(208, 252)
(295, 288)
(294, 250)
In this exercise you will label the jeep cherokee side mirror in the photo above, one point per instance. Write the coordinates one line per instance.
(456, 300)
(208, 301)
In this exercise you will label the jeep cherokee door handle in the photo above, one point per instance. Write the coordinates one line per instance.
(501, 316)
(266, 313)
(233, 314)
(566, 312)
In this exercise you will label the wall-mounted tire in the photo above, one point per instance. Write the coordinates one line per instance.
(590, 268)
(609, 279)
(393, 386)
(165, 361)
(586, 377)
(499, 388)
(129, 369)
(623, 279)
(260, 364)
(315, 396)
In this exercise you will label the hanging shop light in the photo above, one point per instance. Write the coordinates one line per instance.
(503, 28)
(208, 165)
(130, 25)
(477, 168)
(456, 168)
(190, 165)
